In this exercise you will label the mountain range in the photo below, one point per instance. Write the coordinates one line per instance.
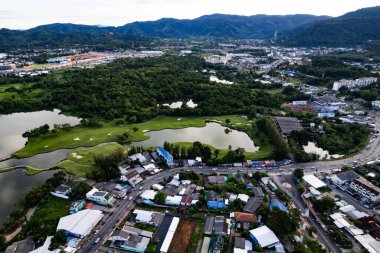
(304, 30)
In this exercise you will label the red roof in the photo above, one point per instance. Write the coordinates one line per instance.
(186, 199)
(89, 205)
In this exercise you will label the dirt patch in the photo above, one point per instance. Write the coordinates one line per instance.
(182, 236)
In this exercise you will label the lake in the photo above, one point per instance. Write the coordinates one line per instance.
(12, 126)
(212, 134)
(15, 185)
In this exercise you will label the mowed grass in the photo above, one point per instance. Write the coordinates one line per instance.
(80, 161)
(29, 171)
(89, 137)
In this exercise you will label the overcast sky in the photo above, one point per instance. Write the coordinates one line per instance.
(22, 14)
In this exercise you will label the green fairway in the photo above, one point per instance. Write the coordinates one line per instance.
(88, 137)
(80, 161)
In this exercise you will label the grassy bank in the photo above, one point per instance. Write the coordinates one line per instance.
(80, 161)
(29, 171)
(89, 137)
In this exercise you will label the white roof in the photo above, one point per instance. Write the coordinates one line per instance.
(157, 187)
(44, 248)
(80, 223)
(137, 156)
(185, 182)
(243, 197)
(232, 197)
(148, 194)
(346, 209)
(175, 182)
(355, 231)
(149, 167)
(336, 216)
(142, 215)
(176, 200)
(170, 234)
(313, 181)
(367, 241)
(90, 193)
(355, 214)
(264, 236)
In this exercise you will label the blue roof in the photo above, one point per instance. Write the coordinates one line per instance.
(249, 186)
(164, 153)
(216, 204)
(279, 205)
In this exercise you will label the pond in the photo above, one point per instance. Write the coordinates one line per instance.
(312, 148)
(15, 185)
(212, 134)
(12, 126)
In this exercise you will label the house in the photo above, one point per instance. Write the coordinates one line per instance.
(100, 197)
(265, 238)
(216, 225)
(216, 244)
(258, 192)
(252, 205)
(242, 245)
(131, 239)
(365, 189)
(243, 220)
(62, 191)
(148, 217)
(77, 206)
(215, 180)
(168, 158)
(345, 177)
(132, 177)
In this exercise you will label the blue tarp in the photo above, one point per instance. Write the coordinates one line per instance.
(249, 186)
(126, 187)
(255, 163)
(279, 205)
(216, 204)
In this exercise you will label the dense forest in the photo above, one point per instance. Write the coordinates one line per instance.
(132, 89)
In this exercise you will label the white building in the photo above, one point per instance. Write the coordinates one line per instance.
(169, 235)
(265, 237)
(352, 84)
(100, 197)
(313, 181)
(365, 189)
(81, 223)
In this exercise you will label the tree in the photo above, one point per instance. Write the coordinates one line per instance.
(58, 239)
(135, 129)
(216, 153)
(3, 244)
(80, 189)
(324, 205)
(279, 222)
(160, 198)
(228, 121)
(298, 173)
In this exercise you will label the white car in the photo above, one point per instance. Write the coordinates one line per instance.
(214, 169)
(97, 240)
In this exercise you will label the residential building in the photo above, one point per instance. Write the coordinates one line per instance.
(168, 158)
(131, 239)
(215, 180)
(148, 217)
(265, 238)
(169, 235)
(252, 205)
(23, 246)
(352, 84)
(242, 245)
(100, 197)
(62, 191)
(132, 177)
(216, 225)
(365, 189)
(345, 177)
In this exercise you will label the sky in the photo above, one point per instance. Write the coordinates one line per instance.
(23, 14)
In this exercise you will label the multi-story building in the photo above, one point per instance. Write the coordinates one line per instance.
(352, 84)
(100, 197)
(365, 189)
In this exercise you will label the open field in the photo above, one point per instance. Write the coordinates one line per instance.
(182, 236)
(88, 137)
(197, 235)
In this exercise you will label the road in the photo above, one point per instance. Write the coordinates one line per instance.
(126, 205)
